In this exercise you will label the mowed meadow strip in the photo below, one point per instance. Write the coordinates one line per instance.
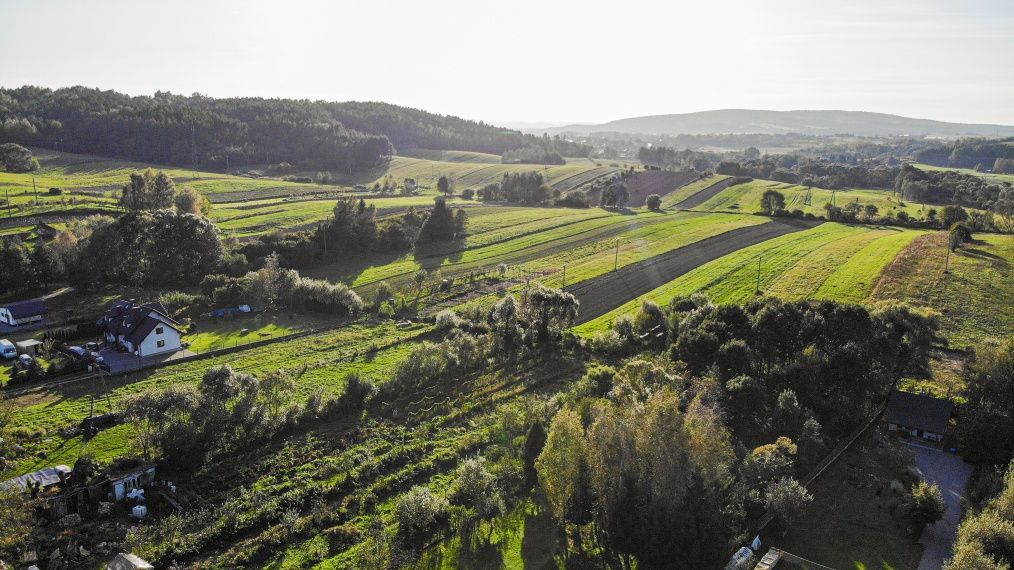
(810, 264)
(676, 196)
(975, 298)
(746, 198)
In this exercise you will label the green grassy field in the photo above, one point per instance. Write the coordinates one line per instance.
(991, 177)
(248, 205)
(475, 174)
(328, 357)
(831, 261)
(746, 198)
(682, 193)
(246, 219)
(975, 298)
(583, 239)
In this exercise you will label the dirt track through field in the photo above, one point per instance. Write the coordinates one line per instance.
(602, 294)
(705, 195)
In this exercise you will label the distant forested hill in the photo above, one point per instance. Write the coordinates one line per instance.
(170, 129)
(749, 121)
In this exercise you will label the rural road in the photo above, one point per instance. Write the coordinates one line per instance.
(602, 294)
(704, 195)
(951, 474)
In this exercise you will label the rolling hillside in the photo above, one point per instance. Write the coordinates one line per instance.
(748, 121)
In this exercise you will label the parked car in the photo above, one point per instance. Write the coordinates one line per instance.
(7, 349)
(92, 346)
(25, 361)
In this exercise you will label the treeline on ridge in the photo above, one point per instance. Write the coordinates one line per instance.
(175, 129)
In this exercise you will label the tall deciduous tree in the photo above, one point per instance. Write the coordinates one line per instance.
(772, 202)
(559, 464)
(148, 191)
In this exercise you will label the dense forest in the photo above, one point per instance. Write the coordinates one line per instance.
(980, 154)
(218, 133)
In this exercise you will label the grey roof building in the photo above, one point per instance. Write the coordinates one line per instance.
(918, 415)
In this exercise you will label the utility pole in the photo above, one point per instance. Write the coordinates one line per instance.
(947, 259)
(758, 290)
(193, 150)
(616, 256)
(36, 188)
(10, 214)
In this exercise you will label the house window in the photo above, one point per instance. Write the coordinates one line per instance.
(160, 343)
(160, 330)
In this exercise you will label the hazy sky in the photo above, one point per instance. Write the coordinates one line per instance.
(538, 61)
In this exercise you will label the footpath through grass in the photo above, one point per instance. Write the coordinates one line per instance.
(830, 261)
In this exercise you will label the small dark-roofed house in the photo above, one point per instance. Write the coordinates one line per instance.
(918, 415)
(22, 313)
(143, 330)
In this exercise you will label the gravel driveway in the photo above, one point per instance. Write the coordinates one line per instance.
(951, 474)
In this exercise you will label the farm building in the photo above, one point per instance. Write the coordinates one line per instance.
(23, 313)
(143, 330)
(918, 415)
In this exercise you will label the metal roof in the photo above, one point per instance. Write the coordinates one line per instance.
(48, 477)
(23, 309)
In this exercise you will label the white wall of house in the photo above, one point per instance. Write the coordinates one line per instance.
(168, 340)
(8, 319)
(914, 432)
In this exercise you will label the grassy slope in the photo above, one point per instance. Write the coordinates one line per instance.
(989, 176)
(976, 299)
(261, 216)
(680, 194)
(746, 198)
(831, 261)
(584, 239)
(329, 356)
(93, 183)
(472, 174)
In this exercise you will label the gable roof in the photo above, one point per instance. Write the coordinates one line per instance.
(23, 309)
(134, 322)
(918, 411)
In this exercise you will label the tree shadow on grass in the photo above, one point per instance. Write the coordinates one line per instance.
(995, 260)
(430, 256)
(542, 540)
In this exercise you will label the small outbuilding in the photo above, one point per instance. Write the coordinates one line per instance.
(31, 347)
(23, 313)
(918, 415)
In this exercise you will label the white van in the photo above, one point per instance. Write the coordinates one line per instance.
(7, 349)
